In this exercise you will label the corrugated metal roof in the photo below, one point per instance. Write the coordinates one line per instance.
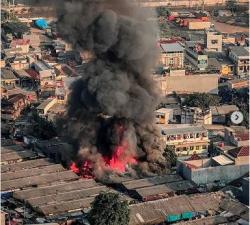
(171, 47)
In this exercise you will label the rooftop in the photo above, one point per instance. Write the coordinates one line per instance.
(223, 160)
(45, 103)
(240, 51)
(163, 110)
(239, 152)
(171, 47)
(7, 74)
(16, 42)
(41, 65)
(223, 109)
(172, 129)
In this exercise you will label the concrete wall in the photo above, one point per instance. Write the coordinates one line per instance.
(188, 84)
(212, 174)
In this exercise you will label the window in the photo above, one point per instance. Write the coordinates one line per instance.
(197, 135)
(204, 147)
(191, 147)
(197, 147)
(214, 42)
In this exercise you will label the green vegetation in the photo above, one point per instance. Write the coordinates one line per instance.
(43, 128)
(239, 98)
(8, 16)
(170, 156)
(202, 100)
(232, 5)
(16, 28)
(162, 11)
(108, 209)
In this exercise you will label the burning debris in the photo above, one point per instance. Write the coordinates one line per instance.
(116, 83)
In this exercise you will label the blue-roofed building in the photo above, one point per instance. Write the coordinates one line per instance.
(172, 55)
(41, 23)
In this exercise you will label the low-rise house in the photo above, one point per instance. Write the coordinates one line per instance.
(238, 84)
(220, 169)
(186, 139)
(195, 115)
(11, 52)
(164, 115)
(240, 56)
(2, 63)
(8, 78)
(221, 113)
(23, 44)
(19, 62)
(25, 79)
(12, 107)
(240, 155)
(44, 107)
(172, 55)
(238, 136)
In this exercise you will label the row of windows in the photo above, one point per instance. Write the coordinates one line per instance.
(185, 136)
(191, 148)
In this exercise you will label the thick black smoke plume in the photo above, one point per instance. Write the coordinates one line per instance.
(116, 84)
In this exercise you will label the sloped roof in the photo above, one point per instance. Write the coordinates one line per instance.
(239, 152)
(7, 74)
(171, 47)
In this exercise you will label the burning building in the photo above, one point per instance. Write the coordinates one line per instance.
(116, 83)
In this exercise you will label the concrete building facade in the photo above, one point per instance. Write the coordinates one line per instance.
(194, 115)
(172, 55)
(208, 83)
(186, 139)
(213, 40)
(240, 56)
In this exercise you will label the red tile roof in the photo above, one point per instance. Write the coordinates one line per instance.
(239, 152)
(20, 42)
(33, 74)
(242, 136)
(244, 151)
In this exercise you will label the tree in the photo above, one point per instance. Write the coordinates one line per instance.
(16, 28)
(170, 155)
(162, 11)
(43, 128)
(202, 100)
(232, 5)
(108, 209)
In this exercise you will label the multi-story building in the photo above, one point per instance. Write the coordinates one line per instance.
(22, 44)
(172, 55)
(213, 41)
(240, 56)
(186, 139)
(195, 115)
(12, 106)
(195, 55)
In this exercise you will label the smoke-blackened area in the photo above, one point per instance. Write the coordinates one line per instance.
(110, 108)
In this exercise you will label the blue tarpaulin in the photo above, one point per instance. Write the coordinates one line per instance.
(41, 23)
